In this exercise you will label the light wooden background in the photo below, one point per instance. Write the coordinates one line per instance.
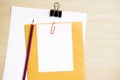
(102, 44)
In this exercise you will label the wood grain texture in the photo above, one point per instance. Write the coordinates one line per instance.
(102, 43)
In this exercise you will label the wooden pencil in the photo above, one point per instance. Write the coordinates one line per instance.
(28, 51)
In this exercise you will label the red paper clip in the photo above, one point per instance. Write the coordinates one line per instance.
(52, 30)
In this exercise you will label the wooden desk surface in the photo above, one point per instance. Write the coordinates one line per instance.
(102, 44)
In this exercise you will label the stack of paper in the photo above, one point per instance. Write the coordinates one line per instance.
(58, 56)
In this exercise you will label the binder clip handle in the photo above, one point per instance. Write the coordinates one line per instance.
(56, 5)
(56, 12)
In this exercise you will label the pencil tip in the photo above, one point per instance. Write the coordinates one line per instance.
(33, 21)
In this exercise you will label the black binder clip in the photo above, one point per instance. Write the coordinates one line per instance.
(56, 12)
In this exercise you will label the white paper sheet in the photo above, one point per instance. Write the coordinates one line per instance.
(16, 50)
(55, 52)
